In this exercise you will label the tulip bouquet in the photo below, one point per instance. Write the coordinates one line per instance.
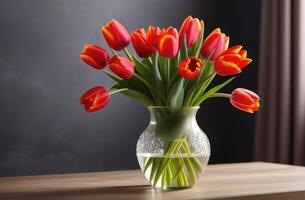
(173, 70)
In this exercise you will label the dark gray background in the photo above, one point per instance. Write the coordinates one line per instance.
(43, 129)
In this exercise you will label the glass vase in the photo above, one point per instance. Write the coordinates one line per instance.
(173, 151)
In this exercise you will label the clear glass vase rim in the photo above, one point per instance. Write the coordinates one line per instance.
(168, 107)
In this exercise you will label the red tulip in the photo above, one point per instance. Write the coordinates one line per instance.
(141, 45)
(122, 67)
(153, 35)
(95, 99)
(191, 28)
(94, 56)
(232, 61)
(169, 43)
(190, 67)
(245, 100)
(215, 43)
(116, 35)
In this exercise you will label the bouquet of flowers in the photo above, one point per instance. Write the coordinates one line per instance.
(173, 70)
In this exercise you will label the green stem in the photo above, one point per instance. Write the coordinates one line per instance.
(185, 49)
(223, 95)
(171, 149)
(180, 180)
(142, 80)
(202, 88)
(190, 169)
(150, 60)
(183, 175)
(112, 76)
(169, 176)
(168, 170)
(179, 169)
(154, 169)
(151, 89)
(114, 52)
(188, 164)
(168, 70)
(148, 162)
(164, 177)
(195, 161)
(128, 54)
(117, 91)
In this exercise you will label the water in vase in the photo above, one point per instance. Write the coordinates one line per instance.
(178, 170)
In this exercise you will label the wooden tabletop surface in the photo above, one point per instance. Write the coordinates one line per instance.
(230, 181)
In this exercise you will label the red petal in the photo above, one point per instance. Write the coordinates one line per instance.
(239, 95)
(168, 46)
(90, 92)
(232, 50)
(226, 68)
(244, 62)
(252, 94)
(241, 106)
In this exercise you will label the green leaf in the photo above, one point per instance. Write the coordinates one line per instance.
(173, 80)
(175, 63)
(177, 59)
(184, 48)
(138, 96)
(143, 70)
(159, 84)
(200, 90)
(162, 62)
(148, 162)
(196, 49)
(148, 62)
(168, 70)
(173, 125)
(212, 91)
(135, 84)
(176, 94)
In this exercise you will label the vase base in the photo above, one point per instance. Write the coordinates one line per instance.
(170, 188)
(174, 172)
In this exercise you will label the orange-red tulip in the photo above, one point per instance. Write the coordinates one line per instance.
(95, 99)
(245, 100)
(191, 28)
(232, 61)
(116, 35)
(153, 35)
(190, 67)
(142, 46)
(94, 56)
(122, 67)
(214, 44)
(169, 43)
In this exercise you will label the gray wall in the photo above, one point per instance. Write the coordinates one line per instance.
(43, 129)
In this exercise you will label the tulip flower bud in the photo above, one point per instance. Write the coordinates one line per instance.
(231, 61)
(95, 99)
(94, 56)
(191, 28)
(122, 67)
(245, 100)
(116, 35)
(214, 44)
(141, 45)
(190, 67)
(169, 43)
(153, 35)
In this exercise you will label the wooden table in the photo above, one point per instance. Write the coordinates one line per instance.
(229, 181)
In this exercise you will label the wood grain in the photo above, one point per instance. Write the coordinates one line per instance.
(228, 181)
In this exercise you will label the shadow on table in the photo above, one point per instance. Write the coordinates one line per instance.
(114, 192)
